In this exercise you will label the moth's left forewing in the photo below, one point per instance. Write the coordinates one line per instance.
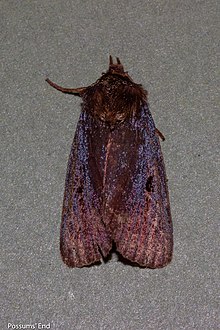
(83, 237)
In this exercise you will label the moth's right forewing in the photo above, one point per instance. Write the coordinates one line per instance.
(137, 207)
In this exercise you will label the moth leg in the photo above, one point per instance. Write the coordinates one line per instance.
(160, 134)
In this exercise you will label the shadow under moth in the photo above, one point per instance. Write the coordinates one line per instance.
(116, 187)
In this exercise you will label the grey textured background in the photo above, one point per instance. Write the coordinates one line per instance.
(171, 48)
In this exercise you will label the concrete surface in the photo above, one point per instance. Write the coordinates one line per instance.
(171, 48)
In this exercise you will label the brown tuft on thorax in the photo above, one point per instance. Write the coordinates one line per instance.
(113, 98)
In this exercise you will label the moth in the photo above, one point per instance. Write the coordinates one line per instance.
(116, 187)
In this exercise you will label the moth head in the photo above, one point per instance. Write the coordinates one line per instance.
(117, 68)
